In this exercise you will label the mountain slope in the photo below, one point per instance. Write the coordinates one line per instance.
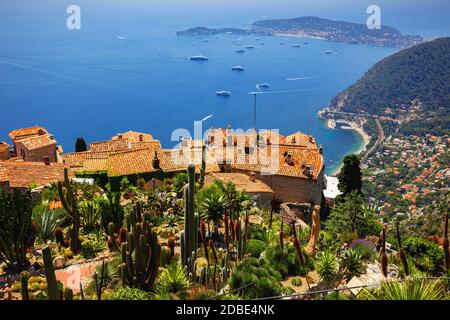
(419, 73)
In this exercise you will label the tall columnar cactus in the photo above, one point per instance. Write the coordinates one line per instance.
(16, 234)
(52, 284)
(24, 277)
(203, 168)
(140, 253)
(70, 204)
(445, 247)
(383, 256)
(402, 253)
(189, 237)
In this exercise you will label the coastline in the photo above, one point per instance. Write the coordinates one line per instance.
(364, 139)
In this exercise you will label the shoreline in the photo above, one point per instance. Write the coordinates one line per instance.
(364, 139)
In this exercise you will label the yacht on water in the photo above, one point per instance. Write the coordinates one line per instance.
(237, 68)
(240, 51)
(327, 52)
(198, 58)
(223, 93)
(295, 46)
(205, 40)
(262, 86)
(250, 47)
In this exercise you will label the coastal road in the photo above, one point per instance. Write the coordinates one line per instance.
(377, 143)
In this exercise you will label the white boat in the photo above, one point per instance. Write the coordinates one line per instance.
(327, 52)
(223, 93)
(237, 68)
(198, 58)
(205, 40)
(257, 39)
(250, 47)
(262, 85)
(240, 51)
(281, 43)
(295, 46)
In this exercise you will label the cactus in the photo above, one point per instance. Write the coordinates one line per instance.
(402, 253)
(141, 271)
(17, 230)
(227, 232)
(189, 237)
(383, 256)
(69, 203)
(52, 284)
(24, 277)
(203, 168)
(112, 242)
(68, 294)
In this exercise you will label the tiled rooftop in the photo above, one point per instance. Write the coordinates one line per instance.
(133, 136)
(22, 174)
(141, 161)
(37, 142)
(242, 182)
(27, 132)
(77, 159)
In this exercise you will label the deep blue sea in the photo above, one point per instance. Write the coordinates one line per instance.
(127, 70)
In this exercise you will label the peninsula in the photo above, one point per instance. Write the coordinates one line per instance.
(339, 31)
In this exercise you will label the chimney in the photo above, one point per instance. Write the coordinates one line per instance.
(289, 160)
(294, 141)
(141, 138)
(46, 160)
(119, 136)
(41, 132)
(321, 149)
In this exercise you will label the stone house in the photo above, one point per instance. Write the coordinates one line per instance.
(4, 151)
(34, 144)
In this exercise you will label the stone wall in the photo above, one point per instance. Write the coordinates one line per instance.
(263, 199)
(36, 155)
(291, 189)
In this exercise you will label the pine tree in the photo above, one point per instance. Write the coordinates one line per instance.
(80, 145)
(350, 176)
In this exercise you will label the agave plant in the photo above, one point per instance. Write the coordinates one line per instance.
(411, 289)
(351, 263)
(171, 222)
(327, 266)
(173, 280)
(46, 221)
(90, 213)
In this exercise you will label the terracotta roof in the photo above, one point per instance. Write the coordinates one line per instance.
(26, 133)
(133, 136)
(4, 147)
(77, 159)
(242, 182)
(110, 145)
(301, 139)
(274, 160)
(141, 161)
(95, 165)
(24, 174)
(130, 162)
(37, 142)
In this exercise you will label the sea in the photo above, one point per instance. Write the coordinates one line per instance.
(126, 69)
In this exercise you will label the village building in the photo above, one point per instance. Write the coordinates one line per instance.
(292, 166)
(260, 192)
(34, 144)
(4, 151)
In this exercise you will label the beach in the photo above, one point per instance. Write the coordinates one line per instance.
(350, 125)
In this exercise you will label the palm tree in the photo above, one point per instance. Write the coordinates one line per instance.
(212, 205)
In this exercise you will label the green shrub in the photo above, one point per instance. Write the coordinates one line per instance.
(286, 260)
(364, 248)
(128, 293)
(264, 277)
(256, 247)
(296, 282)
(351, 263)
(87, 250)
(173, 280)
(327, 266)
(426, 255)
(257, 232)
